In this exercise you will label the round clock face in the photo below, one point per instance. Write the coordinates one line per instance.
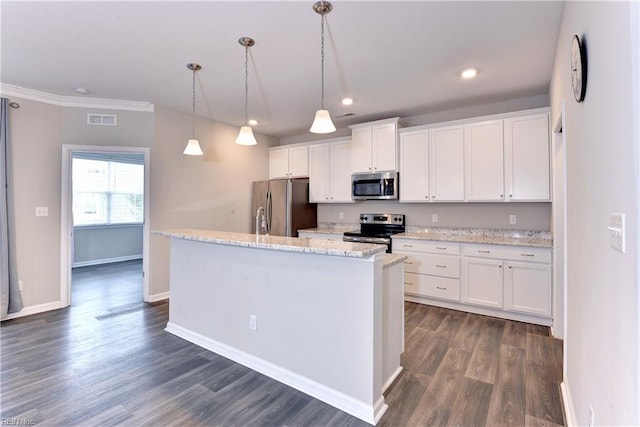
(578, 70)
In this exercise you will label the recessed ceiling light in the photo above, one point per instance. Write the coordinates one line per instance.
(469, 73)
(253, 122)
(347, 101)
(81, 91)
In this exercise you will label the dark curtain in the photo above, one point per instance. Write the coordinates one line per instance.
(11, 298)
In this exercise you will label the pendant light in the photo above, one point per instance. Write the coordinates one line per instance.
(322, 122)
(245, 136)
(193, 145)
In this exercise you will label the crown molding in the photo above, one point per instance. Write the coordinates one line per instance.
(74, 101)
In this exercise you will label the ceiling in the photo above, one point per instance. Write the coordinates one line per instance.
(394, 58)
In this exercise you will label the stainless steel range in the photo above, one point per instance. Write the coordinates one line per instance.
(376, 228)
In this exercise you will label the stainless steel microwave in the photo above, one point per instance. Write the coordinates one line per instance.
(374, 186)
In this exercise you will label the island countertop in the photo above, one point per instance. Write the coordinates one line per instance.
(278, 243)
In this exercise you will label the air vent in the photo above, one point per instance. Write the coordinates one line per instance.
(102, 119)
(342, 116)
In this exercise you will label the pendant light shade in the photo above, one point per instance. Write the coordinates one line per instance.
(322, 122)
(245, 136)
(193, 145)
(193, 148)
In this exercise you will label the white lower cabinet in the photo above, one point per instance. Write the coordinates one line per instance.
(497, 280)
(432, 269)
(482, 283)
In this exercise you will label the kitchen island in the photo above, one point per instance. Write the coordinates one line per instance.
(323, 317)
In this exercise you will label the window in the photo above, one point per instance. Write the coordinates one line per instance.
(107, 191)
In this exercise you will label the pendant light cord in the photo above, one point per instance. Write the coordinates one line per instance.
(246, 83)
(193, 106)
(322, 60)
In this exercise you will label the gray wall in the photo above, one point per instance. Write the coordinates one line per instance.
(530, 216)
(602, 139)
(201, 192)
(103, 244)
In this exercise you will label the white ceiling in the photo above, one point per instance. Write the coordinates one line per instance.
(394, 58)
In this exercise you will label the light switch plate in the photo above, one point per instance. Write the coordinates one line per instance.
(513, 219)
(434, 217)
(617, 230)
(42, 211)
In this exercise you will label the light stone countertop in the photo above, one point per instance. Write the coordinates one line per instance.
(277, 243)
(531, 238)
(392, 259)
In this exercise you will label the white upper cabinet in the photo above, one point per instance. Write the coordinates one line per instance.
(526, 149)
(484, 160)
(289, 162)
(446, 164)
(375, 145)
(330, 172)
(414, 164)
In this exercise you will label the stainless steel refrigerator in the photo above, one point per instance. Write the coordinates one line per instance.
(286, 206)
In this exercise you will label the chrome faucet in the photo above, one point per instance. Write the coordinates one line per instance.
(261, 221)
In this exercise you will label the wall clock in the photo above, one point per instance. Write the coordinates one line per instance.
(578, 69)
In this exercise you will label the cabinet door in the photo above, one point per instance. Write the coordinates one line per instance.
(526, 151)
(319, 178)
(446, 164)
(361, 139)
(299, 161)
(484, 165)
(414, 161)
(340, 172)
(279, 163)
(527, 287)
(384, 151)
(482, 282)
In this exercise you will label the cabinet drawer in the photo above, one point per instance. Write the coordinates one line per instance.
(425, 246)
(433, 287)
(436, 265)
(514, 253)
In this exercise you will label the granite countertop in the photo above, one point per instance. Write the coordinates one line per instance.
(278, 243)
(332, 228)
(392, 259)
(531, 238)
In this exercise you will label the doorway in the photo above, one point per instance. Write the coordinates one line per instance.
(112, 213)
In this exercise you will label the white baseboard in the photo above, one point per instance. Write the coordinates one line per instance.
(391, 379)
(567, 401)
(359, 409)
(158, 297)
(106, 260)
(35, 309)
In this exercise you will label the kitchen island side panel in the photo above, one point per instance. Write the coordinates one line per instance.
(317, 316)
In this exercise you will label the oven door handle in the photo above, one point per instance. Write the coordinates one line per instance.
(378, 240)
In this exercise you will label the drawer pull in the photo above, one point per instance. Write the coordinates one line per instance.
(409, 263)
(440, 248)
(484, 252)
(527, 255)
(408, 283)
(407, 246)
(441, 266)
(441, 288)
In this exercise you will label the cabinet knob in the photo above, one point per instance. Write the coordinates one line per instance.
(510, 195)
(500, 266)
(502, 195)
(509, 267)
(433, 197)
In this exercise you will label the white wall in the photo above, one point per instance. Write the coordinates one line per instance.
(602, 340)
(108, 243)
(202, 192)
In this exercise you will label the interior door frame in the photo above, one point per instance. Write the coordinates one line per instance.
(559, 230)
(66, 217)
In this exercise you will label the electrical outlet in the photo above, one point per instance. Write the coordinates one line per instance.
(617, 230)
(434, 217)
(341, 215)
(20, 285)
(592, 417)
(253, 322)
(42, 211)
(513, 219)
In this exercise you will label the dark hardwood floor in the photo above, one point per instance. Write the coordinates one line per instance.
(107, 360)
